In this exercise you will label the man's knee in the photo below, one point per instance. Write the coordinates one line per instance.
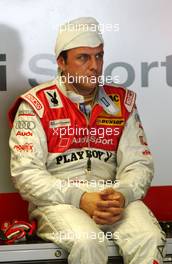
(156, 242)
(153, 237)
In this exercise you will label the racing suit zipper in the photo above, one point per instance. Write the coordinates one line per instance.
(88, 166)
(89, 154)
(87, 118)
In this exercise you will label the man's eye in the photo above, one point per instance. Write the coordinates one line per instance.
(83, 57)
(99, 56)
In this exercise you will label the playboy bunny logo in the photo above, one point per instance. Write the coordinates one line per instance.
(53, 99)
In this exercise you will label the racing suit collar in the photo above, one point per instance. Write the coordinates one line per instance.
(100, 97)
(73, 94)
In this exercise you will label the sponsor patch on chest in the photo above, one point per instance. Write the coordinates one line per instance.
(53, 99)
(115, 98)
(59, 123)
(110, 121)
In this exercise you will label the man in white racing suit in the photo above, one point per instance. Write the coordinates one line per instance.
(80, 157)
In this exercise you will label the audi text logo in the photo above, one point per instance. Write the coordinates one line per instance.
(28, 125)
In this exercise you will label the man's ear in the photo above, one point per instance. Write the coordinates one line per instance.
(61, 63)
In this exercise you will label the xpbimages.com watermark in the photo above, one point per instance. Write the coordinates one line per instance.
(97, 184)
(99, 236)
(100, 28)
(89, 79)
(84, 131)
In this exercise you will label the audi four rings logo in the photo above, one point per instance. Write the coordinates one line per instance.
(30, 125)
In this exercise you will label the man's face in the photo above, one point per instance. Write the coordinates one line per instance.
(85, 65)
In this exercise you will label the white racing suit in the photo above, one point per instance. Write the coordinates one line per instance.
(57, 155)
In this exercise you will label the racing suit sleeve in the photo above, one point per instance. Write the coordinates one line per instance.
(29, 153)
(134, 161)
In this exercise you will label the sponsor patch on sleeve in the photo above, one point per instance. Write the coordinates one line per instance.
(34, 102)
(146, 152)
(26, 113)
(129, 100)
(27, 147)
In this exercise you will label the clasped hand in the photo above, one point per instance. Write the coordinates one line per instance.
(105, 207)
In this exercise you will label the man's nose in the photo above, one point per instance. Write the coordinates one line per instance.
(93, 64)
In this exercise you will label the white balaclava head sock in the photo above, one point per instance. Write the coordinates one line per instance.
(81, 32)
